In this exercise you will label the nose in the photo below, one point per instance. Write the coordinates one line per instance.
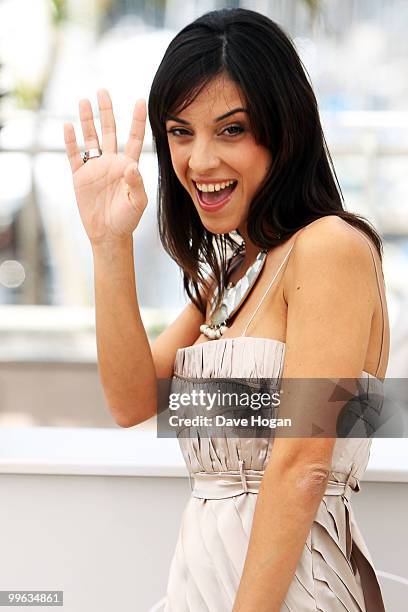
(203, 157)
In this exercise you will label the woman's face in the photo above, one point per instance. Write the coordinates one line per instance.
(215, 156)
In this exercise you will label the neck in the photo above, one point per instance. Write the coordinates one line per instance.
(251, 250)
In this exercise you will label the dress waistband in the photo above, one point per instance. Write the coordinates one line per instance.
(220, 485)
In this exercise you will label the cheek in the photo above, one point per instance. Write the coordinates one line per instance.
(262, 165)
(180, 164)
(176, 163)
(252, 171)
(255, 161)
(256, 168)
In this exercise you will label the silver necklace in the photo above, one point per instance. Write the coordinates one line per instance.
(233, 297)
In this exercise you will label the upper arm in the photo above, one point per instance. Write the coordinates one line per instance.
(330, 307)
(183, 331)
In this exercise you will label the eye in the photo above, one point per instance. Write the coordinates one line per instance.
(176, 131)
(239, 129)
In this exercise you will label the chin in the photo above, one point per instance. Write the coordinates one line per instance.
(219, 227)
(224, 225)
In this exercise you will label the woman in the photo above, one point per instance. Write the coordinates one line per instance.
(243, 165)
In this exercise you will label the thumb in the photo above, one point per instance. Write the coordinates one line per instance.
(132, 175)
(136, 192)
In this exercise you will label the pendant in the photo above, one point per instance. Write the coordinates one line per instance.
(213, 332)
(233, 298)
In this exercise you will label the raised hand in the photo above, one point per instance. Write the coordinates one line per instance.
(109, 189)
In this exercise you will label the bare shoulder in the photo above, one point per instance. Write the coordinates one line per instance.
(331, 248)
(332, 232)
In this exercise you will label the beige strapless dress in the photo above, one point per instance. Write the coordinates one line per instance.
(335, 572)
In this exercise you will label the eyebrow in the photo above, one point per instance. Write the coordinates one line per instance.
(220, 118)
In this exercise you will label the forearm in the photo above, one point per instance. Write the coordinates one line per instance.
(125, 362)
(287, 503)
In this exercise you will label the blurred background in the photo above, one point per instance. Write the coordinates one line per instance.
(54, 52)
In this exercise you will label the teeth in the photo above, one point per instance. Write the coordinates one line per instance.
(213, 186)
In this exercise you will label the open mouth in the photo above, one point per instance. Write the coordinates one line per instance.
(219, 195)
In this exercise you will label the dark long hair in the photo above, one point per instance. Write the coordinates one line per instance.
(301, 186)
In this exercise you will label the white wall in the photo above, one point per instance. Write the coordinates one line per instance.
(96, 513)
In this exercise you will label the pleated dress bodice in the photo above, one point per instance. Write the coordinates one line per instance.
(259, 358)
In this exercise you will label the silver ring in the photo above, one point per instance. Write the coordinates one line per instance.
(90, 154)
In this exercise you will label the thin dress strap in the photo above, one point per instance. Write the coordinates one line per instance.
(267, 289)
(379, 290)
(378, 284)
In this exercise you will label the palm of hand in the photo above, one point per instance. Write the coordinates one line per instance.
(109, 189)
(101, 186)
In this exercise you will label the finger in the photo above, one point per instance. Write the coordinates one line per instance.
(108, 125)
(71, 147)
(88, 127)
(135, 186)
(134, 145)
